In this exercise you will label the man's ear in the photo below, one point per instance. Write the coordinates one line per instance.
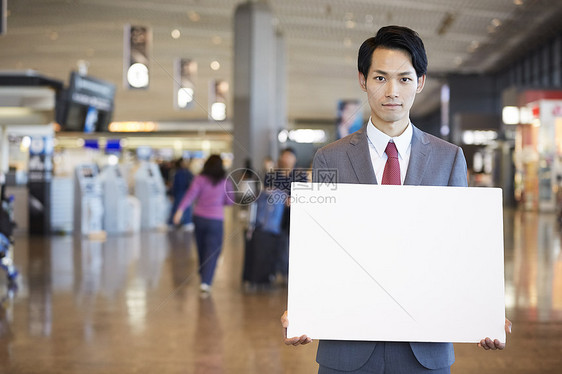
(421, 83)
(362, 83)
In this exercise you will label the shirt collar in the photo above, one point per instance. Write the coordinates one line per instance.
(379, 139)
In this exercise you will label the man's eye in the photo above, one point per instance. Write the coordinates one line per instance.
(406, 80)
(379, 78)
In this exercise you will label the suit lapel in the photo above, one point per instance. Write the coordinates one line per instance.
(419, 157)
(360, 157)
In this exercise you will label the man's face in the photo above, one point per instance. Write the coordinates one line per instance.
(287, 160)
(391, 87)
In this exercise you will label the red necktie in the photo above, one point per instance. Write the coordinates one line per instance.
(391, 173)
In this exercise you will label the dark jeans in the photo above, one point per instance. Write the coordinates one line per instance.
(208, 236)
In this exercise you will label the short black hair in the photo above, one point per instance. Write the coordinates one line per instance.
(394, 37)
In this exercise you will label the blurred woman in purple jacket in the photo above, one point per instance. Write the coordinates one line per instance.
(208, 192)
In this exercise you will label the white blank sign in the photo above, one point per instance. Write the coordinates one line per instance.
(396, 263)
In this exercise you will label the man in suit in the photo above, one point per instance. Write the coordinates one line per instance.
(389, 149)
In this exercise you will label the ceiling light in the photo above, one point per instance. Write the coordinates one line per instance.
(222, 86)
(307, 136)
(525, 115)
(185, 96)
(15, 111)
(347, 42)
(283, 136)
(218, 111)
(54, 35)
(518, 2)
(496, 22)
(132, 126)
(193, 16)
(369, 19)
(510, 115)
(176, 34)
(206, 146)
(137, 75)
(216, 40)
(178, 145)
(215, 65)
(473, 46)
(350, 24)
(479, 137)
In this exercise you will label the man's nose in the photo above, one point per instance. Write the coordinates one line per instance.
(391, 89)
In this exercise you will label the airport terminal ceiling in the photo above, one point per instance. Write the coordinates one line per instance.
(321, 37)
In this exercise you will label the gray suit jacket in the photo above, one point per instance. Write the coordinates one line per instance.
(433, 162)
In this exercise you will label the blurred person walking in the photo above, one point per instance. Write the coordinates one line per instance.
(181, 181)
(208, 193)
(280, 179)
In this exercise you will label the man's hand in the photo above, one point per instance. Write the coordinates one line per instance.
(495, 344)
(297, 340)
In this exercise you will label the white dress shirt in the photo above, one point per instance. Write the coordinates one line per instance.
(377, 144)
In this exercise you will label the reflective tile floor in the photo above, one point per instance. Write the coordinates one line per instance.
(131, 304)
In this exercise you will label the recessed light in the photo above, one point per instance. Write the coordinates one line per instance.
(215, 65)
(137, 75)
(473, 46)
(193, 16)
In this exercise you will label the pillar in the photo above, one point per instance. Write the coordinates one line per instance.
(259, 103)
